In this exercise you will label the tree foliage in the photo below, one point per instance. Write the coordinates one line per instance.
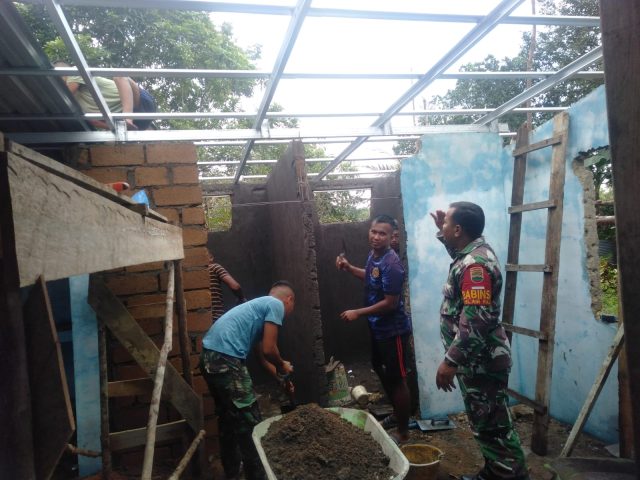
(145, 38)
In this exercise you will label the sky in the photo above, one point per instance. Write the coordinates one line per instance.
(365, 46)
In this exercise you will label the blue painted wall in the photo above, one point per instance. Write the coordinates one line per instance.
(475, 167)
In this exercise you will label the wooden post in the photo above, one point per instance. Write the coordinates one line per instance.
(620, 20)
(104, 401)
(187, 456)
(154, 408)
(183, 333)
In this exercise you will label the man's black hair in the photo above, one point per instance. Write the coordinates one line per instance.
(283, 283)
(470, 217)
(388, 219)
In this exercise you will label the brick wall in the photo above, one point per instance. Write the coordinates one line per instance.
(169, 174)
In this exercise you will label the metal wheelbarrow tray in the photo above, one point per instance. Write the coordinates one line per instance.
(361, 419)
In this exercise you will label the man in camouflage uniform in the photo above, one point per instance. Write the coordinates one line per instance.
(477, 348)
(225, 347)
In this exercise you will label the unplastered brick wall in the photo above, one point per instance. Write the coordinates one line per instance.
(169, 175)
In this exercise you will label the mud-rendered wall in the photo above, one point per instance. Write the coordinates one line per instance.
(340, 291)
(475, 167)
(273, 241)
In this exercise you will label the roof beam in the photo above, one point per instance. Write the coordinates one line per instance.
(295, 24)
(541, 87)
(285, 134)
(60, 21)
(260, 9)
(478, 32)
(258, 74)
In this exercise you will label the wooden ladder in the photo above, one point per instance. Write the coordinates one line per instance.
(550, 268)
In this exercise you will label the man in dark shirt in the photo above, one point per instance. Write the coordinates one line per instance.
(217, 276)
(389, 325)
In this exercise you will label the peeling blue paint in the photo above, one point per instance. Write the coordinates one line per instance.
(475, 167)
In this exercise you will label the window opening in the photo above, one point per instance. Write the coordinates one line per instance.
(343, 206)
(217, 211)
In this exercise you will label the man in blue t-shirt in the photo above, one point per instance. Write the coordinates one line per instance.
(250, 326)
(389, 325)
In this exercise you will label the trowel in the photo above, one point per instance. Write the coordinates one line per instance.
(435, 423)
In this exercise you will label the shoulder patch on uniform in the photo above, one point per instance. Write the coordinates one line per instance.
(476, 286)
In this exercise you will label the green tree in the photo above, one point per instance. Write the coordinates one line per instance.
(142, 38)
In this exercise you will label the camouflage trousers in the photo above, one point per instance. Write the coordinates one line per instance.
(486, 403)
(237, 409)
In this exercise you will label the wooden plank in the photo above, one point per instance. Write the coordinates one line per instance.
(52, 411)
(86, 370)
(124, 327)
(550, 286)
(525, 331)
(527, 207)
(16, 440)
(138, 436)
(528, 268)
(594, 393)
(527, 401)
(183, 333)
(80, 179)
(537, 146)
(620, 39)
(130, 388)
(515, 227)
(87, 232)
(104, 402)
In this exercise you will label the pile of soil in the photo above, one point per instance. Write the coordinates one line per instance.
(311, 443)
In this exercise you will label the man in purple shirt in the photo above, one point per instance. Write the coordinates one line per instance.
(389, 325)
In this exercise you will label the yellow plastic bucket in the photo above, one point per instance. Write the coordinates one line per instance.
(424, 461)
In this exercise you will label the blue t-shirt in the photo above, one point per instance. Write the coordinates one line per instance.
(238, 330)
(385, 276)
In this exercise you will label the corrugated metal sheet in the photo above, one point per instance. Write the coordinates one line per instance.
(30, 95)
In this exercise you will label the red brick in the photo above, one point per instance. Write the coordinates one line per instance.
(147, 311)
(132, 284)
(193, 216)
(198, 349)
(119, 354)
(171, 153)
(172, 214)
(211, 426)
(107, 175)
(200, 385)
(194, 236)
(146, 176)
(195, 257)
(146, 299)
(165, 196)
(198, 299)
(177, 363)
(107, 156)
(188, 175)
(145, 267)
(199, 321)
(152, 326)
(192, 280)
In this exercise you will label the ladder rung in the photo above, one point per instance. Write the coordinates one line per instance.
(511, 267)
(532, 206)
(538, 407)
(525, 331)
(138, 436)
(537, 146)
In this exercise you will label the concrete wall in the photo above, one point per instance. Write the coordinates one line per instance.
(475, 167)
(275, 241)
(340, 291)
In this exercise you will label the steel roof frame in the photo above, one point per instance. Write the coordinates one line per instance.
(379, 130)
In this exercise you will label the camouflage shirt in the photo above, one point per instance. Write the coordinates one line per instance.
(470, 326)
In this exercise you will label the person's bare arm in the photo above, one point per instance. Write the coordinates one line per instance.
(343, 264)
(73, 86)
(387, 304)
(235, 287)
(126, 98)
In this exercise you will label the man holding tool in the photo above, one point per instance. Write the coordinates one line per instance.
(226, 345)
